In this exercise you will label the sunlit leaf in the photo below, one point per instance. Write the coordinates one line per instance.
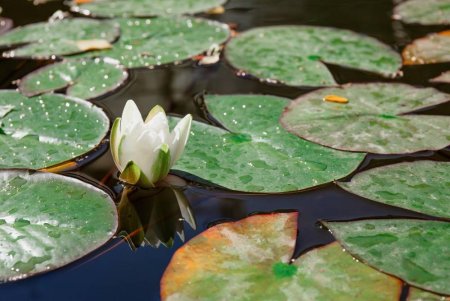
(49, 129)
(376, 119)
(250, 260)
(48, 221)
(422, 186)
(428, 12)
(433, 48)
(258, 155)
(83, 79)
(163, 40)
(295, 55)
(142, 8)
(61, 37)
(416, 251)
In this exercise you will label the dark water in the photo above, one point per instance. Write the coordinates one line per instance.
(115, 272)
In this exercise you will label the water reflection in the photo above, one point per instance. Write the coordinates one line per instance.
(154, 217)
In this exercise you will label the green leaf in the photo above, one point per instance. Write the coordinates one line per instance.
(258, 155)
(49, 129)
(144, 8)
(48, 221)
(372, 121)
(85, 79)
(295, 55)
(416, 251)
(46, 39)
(433, 48)
(416, 294)
(430, 12)
(163, 40)
(422, 186)
(250, 260)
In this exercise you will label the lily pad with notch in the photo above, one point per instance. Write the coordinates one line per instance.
(250, 259)
(256, 154)
(416, 251)
(431, 12)
(47, 130)
(421, 186)
(46, 40)
(163, 40)
(143, 8)
(48, 221)
(431, 49)
(296, 55)
(85, 79)
(376, 118)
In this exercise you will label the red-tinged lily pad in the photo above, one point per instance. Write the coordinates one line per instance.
(430, 12)
(251, 260)
(443, 78)
(376, 118)
(422, 186)
(85, 79)
(48, 221)
(433, 48)
(416, 294)
(416, 251)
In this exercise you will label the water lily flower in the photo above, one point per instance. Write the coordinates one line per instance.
(144, 151)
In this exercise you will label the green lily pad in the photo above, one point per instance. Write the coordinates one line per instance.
(295, 55)
(373, 119)
(45, 130)
(443, 78)
(68, 36)
(416, 294)
(163, 40)
(144, 8)
(422, 186)
(48, 221)
(85, 79)
(430, 12)
(416, 251)
(433, 48)
(258, 155)
(250, 260)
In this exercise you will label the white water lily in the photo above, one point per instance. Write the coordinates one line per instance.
(144, 151)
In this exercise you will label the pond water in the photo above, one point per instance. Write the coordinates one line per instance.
(115, 272)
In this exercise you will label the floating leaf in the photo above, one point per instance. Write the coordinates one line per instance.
(295, 55)
(61, 37)
(5, 25)
(49, 129)
(83, 79)
(250, 260)
(443, 78)
(48, 221)
(433, 48)
(416, 294)
(416, 251)
(163, 40)
(428, 12)
(422, 186)
(258, 155)
(143, 8)
(372, 121)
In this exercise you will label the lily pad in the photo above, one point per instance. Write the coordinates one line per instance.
(258, 155)
(48, 221)
(295, 55)
(443, 78)
(416, 294)
(433, 48)
(250, 260)
(373, 119)
(5, 25)
(45, 130)
(422, 186)
(62, 37)
(163, 40)
(431, 12)
(416, 251)
(143, 8)
(85, 79)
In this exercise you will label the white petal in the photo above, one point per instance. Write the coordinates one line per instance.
(179, 138)
(130, 116)
(160, 126)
